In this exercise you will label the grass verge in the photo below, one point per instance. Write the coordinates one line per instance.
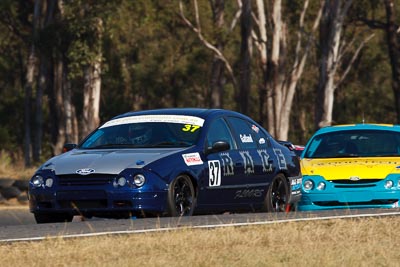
(341, 242)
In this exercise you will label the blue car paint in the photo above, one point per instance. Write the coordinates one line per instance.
(104, 197)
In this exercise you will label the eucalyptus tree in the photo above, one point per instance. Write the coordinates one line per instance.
(281, 65)
(392, 28)
(332, 50)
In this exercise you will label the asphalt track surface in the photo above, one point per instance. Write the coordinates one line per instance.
(19, 224)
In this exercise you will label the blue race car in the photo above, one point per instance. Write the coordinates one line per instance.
(351, 166)
(168, 162)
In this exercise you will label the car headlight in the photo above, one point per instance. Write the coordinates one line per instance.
(308, 185)
(49, 182)
(139, 180)
(321, 186)
(119, 181)
(37, 181)
(389, 184)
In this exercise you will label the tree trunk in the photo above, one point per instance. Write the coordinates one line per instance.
(393, 37)
(27, 106)
(91, 90)
(261, 44)
(41, 84)
(30, 73)
(245, 56)
(279, 85)
(59, 117)
(274, 94)
(217, 68)
(330, 38)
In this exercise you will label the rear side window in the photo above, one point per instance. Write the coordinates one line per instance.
(244, 133)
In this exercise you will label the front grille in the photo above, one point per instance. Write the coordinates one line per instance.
(91, 179)
(361, 181)
(355, 185)
(83, 204)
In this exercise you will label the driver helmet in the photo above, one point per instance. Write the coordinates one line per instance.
(139, 134)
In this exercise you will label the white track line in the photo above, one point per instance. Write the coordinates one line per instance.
(39, 238)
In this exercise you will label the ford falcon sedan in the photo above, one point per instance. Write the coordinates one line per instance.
(168, 162)
(352, 166)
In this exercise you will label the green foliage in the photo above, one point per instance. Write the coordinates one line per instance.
(152, 59)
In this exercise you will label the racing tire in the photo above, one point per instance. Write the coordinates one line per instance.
(276, 199)
(181, 197)
(53, 217)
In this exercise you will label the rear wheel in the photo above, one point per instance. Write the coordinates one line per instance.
(181, 197)
(277, 196)
(53, 217)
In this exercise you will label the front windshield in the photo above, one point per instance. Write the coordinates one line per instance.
(146, 131)
(354, 143)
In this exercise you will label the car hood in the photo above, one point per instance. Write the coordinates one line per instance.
(105, 161)
(346, 168)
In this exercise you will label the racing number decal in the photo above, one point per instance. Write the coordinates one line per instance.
(214, 168)
(190, 128)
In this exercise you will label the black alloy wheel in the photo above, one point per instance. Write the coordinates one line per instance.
(181, 197)
(277, 196)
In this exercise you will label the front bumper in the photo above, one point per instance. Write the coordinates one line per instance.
(340, 196)
(97, 194)
(93, 202)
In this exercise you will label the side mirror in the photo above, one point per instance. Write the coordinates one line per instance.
(67, 147)
(218, 147)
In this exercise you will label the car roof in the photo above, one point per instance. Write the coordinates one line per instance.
(198, 112)
(361, 126)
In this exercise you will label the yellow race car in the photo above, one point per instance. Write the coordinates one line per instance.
(351, 166)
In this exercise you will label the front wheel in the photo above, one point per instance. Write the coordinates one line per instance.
(53, 217)
(181, 197)
(277, 196)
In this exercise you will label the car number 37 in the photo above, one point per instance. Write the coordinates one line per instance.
(214, 173)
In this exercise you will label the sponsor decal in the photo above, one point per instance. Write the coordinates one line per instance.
(255, 128)
(249, 193)
(85, 171)
(267, 166)
(214, 176)
(296, 181)
(296, 187)
(192, 159)
(281, 159)
(227, 163)
(246, 138)
(182, 119)
(248, 162)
